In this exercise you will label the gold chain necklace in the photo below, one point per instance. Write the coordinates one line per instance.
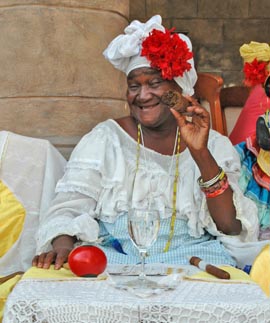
(176, 176)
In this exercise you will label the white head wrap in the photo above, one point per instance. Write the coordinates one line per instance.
(124, 52)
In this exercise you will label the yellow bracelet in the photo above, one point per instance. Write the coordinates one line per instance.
(212, 181)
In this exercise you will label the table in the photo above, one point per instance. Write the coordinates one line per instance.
(84, 301)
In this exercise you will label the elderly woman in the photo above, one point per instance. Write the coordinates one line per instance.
(164, 152)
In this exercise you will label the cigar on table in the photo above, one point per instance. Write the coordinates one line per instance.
(211, 269)
(6, 278)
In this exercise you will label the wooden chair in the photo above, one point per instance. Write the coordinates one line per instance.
(207, 88)
(224, 103)
(232, 100)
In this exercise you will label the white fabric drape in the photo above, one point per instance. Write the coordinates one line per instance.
(30, 168)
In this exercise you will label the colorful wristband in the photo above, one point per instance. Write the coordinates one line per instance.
(219, 191)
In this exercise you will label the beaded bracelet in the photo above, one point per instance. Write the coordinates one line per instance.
(218, 192)
(216, 189)
(212, 181)
(215, 186)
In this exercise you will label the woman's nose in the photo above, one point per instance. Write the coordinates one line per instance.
(144, 93)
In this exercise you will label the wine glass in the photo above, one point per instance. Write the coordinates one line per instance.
(143, 227)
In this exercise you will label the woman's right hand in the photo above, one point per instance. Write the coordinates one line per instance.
(62, 246)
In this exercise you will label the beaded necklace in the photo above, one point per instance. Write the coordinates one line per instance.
(176, 153)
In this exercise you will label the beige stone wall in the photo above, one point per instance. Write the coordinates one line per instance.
(55, 82)
(217, 29)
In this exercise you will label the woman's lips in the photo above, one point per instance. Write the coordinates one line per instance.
(146, 107)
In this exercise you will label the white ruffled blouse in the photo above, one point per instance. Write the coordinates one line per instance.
(101, 182)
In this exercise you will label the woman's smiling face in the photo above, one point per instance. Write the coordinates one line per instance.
(145, 89)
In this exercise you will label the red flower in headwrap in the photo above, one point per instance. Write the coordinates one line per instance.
(255, 72)
(167, 52)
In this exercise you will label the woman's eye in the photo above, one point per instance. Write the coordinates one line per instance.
(155, 83)
(133, 87)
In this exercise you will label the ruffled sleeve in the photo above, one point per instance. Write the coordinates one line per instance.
(89, 187)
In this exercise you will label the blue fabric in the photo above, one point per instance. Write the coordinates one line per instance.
(249, 186)
(182, 246)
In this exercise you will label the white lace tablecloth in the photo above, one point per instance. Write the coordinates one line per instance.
(84, 301)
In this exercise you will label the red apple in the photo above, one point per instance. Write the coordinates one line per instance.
(87, 261)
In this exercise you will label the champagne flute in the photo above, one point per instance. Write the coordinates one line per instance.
(143, 227)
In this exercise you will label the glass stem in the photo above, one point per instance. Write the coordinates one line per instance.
(142, 273)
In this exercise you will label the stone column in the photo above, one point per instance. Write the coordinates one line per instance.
(54, 80)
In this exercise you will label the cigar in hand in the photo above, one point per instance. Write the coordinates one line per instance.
(176, 101)
(210, 269)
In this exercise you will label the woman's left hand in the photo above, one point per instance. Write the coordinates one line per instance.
(194, 130)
